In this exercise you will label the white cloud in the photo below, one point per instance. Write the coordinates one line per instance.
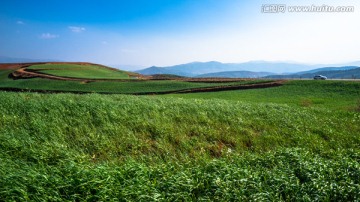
(77, 29)
(19, 22)
(48, 36)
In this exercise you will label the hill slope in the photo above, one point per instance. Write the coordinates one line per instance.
(90, 71)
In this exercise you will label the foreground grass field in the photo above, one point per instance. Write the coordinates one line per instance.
(65, 147)
(295, 142)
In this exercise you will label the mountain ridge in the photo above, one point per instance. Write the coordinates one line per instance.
(236, 74)
(200, 68)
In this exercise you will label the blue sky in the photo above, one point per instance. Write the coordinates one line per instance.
(168, 32)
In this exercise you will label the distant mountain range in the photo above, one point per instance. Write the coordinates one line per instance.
(325, 69)
(347, 72)
(236, 74)
(197, 68)
(160, 70)
(126, 67)
(249, 69)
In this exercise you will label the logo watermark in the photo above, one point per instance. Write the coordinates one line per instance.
(283, 8)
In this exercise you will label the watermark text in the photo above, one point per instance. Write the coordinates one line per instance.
(283, 8)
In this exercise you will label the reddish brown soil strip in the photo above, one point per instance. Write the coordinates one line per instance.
(193, 90)
(11, 89)
(4, 66)
(234, 87)
(218, 88)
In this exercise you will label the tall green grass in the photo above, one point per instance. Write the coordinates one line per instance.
(117, 147)
(284, 175)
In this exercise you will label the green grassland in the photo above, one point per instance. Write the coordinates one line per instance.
(337, 95)
(66, 147)
(80, 71)
(4, 75)
(89, 74)
(296, 142)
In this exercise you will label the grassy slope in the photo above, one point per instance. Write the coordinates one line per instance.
(64, 66)
(342, 95)
(102, 147)
(81, 71)
(4, 74)
(88, 74)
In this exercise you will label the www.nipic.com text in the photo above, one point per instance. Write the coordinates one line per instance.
(282, 8)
